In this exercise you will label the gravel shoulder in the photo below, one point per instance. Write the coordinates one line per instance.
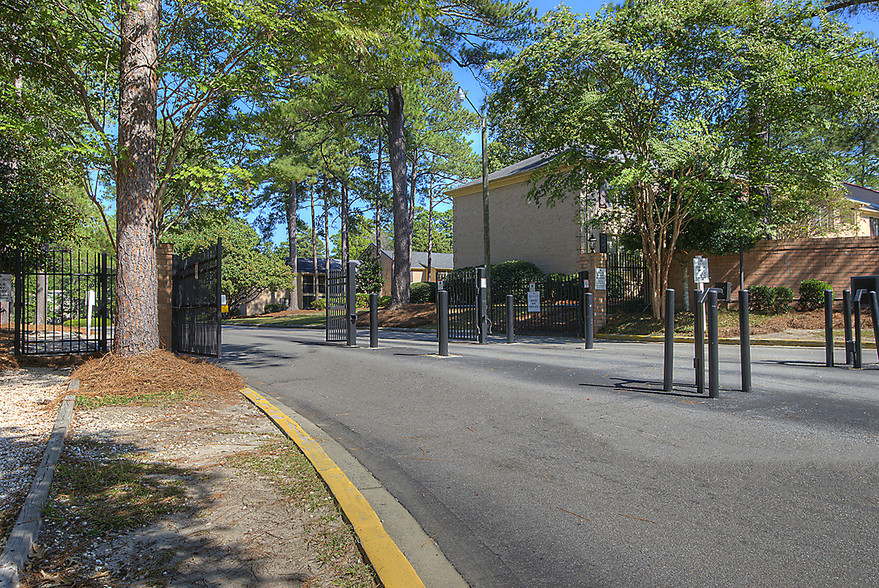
(174, 490)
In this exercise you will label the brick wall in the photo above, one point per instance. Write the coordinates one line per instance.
(164, 261)
(588, 262)
(787, 262)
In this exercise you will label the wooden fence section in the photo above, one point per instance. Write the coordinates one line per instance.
(787, 262)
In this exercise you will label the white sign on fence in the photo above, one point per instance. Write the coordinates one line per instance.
(600, 278)
(533, 301)
(700, 270)
(6, 287)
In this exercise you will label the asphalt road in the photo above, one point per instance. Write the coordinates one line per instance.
(543, 464)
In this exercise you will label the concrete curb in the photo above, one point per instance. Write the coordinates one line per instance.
(727, 341)
(27, 527)
(391, 565)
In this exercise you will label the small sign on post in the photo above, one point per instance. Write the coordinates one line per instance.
(600, 278)
(441, 285)
(533, 300)
(700, 270)
(6, 287)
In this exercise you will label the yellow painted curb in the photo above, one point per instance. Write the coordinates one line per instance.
(390, 564)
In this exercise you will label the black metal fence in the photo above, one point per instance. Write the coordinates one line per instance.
(337, 305)
(196, 302)
(56, 302)
(626, 282)
(463, 311)
(556, 305)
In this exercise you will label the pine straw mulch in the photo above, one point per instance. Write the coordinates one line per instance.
(407, 316)
(156, 372)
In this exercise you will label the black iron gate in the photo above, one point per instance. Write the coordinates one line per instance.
(196, 296)
(337, 280)
(555, 306)
(626, 282)
(56, 302)
(463, 309)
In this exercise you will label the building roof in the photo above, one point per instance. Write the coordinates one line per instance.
(526, 166)
(418, 259)
(305, 265)
(866, 196)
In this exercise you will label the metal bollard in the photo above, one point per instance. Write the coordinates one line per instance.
(511, 318)
(482, 304)
(745, 338)
(828, 328)
(373, 320)
(847, 321)
(351, 304)
(874, 311)
(589, 323)
(442, 321)
(856, 355)
(713, 348)
(669, 357)
(699, 339)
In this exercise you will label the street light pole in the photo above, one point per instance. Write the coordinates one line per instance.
(486, 236)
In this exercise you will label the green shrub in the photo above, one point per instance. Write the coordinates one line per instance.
(384, 301)
(812, 294)
(273, 308)
(319, 304)
(422, 292)
(362, 300)
(770, 300)
(511, 275)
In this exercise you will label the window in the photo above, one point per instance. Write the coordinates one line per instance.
(874, 226)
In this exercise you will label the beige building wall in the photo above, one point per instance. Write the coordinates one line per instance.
(551, 237)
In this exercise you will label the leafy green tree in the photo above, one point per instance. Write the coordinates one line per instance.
(440, 230)
(653, 97)
(249, 265)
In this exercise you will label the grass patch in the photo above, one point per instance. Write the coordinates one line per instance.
(301, 319)
(333, 538)
(625, 323)
(152, 399)
(96, 491)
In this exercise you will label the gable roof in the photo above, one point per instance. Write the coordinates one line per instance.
(305, 265)
(418, 259)
(520, 168)
(865, 196)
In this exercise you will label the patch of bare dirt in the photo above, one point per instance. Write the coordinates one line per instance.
(407, 316)
(243, 520)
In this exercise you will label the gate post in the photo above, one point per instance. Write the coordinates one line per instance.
(18, 298)
(482, 304)
(351, 305)
(104, 302)
(219, 296)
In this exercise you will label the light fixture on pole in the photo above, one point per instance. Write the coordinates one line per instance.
(460, 96)
(591, 241)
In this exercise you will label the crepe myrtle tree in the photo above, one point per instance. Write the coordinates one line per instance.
(653, 98)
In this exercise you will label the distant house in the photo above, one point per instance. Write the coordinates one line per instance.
(865, 207)
(441, 264)
(310, 285)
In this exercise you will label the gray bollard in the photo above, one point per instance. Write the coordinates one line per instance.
(713, 348)
(847, 318)
(373, 320)
(699, 339)
(351, 304)
(874, 311)
(745, 338)
(482, 304)
(669, 356)
(442, 321)
(828, 327)
(511, 318)
(856, 355)
(589, 323)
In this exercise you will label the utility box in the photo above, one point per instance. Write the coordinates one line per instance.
(865, 283)
(724, 290)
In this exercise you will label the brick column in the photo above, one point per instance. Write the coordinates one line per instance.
(165, 263)
(588, 262)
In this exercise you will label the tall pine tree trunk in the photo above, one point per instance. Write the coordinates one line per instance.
(378, 201)
(326, 229)
(401, 277)
(346, 253)
(430, 221)
(137, 323)
(314, 288)
(292, 213)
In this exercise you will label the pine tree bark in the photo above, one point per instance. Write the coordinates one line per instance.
(292, 213)
(378, 201)
(401, 277)
(346, 252)
(137, 324)
(314, 288)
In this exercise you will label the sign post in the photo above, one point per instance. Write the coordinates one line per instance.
(533, 298)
